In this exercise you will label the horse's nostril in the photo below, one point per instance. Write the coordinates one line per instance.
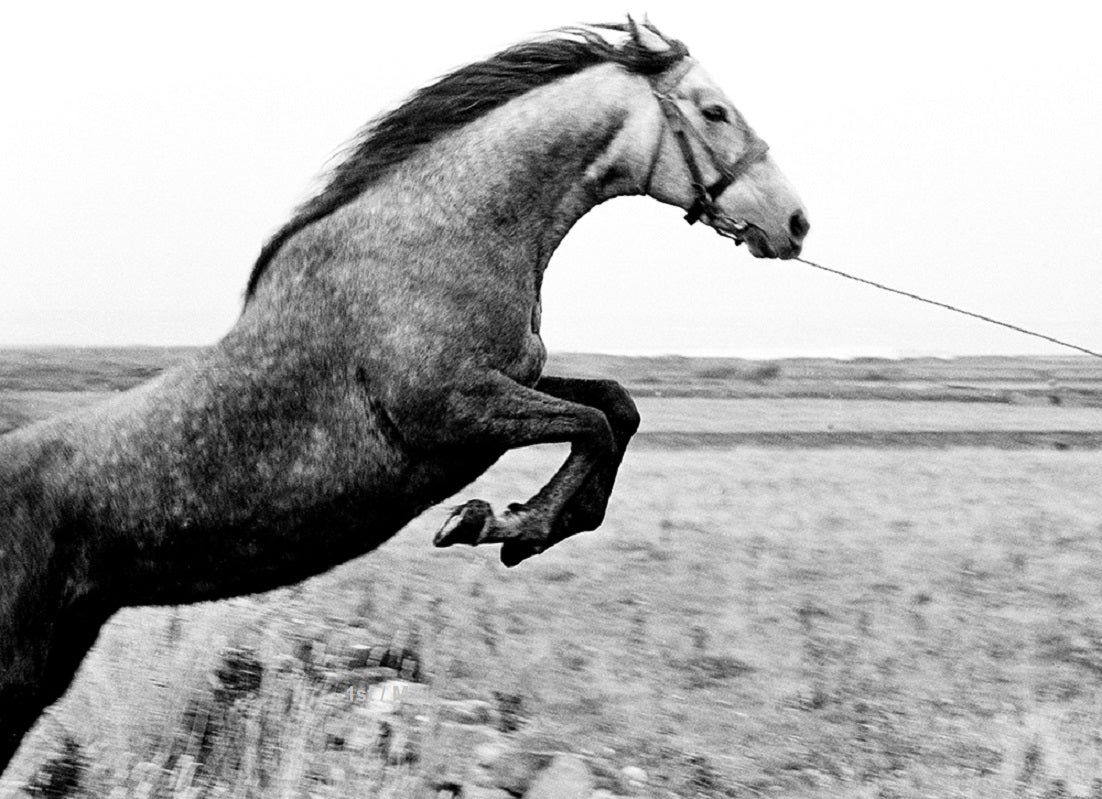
(799, 225)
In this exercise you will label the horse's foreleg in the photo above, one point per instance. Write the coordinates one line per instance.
(499, 412)
(586, 509)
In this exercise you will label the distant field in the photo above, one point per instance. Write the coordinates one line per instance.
(1000, 402)
(692, 421)
(801, 608)
(706, 422)
(1070, 380)
(810, 415)
(1077, 379)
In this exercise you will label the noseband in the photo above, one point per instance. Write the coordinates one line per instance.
(682, 127)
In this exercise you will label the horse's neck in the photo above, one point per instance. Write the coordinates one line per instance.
(522, 175)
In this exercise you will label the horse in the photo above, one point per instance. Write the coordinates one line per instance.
(388, 352)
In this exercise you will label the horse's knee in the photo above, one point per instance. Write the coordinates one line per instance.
(619, 407)
(627, 417)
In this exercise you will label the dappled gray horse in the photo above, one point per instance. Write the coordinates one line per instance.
(388, 353)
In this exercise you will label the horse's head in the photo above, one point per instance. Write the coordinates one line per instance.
(695, 150)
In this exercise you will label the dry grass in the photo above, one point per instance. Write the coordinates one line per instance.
(748, 622)
(821, 623)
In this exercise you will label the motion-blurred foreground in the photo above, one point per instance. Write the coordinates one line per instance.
(816, 578)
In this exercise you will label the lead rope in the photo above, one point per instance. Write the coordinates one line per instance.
(706, 196)
(981, 317)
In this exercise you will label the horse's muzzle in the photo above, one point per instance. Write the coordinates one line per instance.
(760, 245)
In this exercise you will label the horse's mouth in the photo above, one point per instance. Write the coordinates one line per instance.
(741, 231)
(756, 241)
(760, 247)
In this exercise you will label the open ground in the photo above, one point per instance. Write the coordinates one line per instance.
(817, 578)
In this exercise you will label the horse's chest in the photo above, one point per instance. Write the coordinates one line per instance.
(532, 354)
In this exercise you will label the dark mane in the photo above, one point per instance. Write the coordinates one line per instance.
(457, 100)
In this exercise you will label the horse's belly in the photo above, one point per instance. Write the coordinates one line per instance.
(431, 480)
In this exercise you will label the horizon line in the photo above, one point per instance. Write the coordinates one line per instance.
(839, 354)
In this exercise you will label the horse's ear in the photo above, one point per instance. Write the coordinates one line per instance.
(647, 36)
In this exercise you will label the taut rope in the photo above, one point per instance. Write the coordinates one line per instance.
(981, 317)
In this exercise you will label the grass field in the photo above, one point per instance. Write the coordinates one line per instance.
(850, 613)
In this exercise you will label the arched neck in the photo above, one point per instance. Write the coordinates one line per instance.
(524, 174)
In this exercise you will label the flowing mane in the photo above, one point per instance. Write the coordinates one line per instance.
(457, 100)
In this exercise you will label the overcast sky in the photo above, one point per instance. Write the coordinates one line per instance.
(952, 149)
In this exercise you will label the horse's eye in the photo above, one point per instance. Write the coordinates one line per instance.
(715, 113)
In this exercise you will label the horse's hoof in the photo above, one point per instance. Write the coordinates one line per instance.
(466, 524)
(514, 552)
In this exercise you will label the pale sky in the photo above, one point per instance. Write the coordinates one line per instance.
(951, 149)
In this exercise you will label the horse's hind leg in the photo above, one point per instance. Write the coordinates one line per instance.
(498, 412)
(46, 640)
(56, 644)
(586, 509)
(12, 729)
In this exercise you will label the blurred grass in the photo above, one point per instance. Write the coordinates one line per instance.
(747, 622)
(814, 623)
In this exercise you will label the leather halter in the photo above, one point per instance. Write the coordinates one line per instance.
(682, 127)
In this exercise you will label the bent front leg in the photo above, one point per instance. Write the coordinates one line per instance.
(586, 509)
(501, 413)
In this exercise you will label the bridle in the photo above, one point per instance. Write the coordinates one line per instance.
(704, 206)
